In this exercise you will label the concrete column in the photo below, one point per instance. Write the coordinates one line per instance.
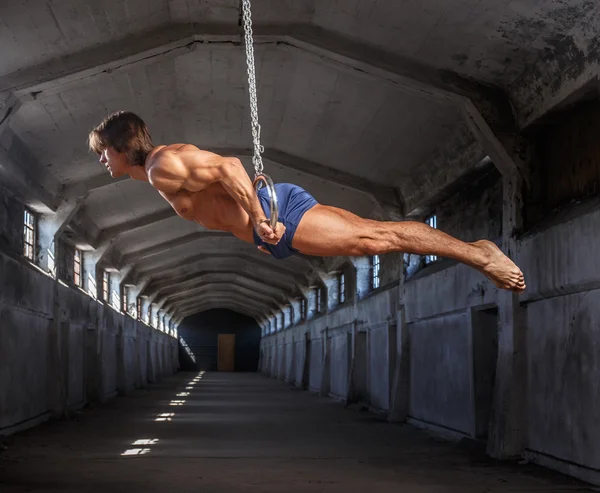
(510, 154)
(326, 375)
(400, 355)
(93, 356)
(50, 228)
(331, 298)
(92, 282)
(121, 356)
(115, 290)
(400, 391)
(351, 392)
(508, 428)
(146, 308)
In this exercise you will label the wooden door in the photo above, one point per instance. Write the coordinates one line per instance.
(226, 360)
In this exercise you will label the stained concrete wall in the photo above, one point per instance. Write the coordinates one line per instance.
(11, 222)
(61, 349)
(563, 342)
(427, 353)
(440, 373)
(327, 364)
(449, 343)
(480, 207)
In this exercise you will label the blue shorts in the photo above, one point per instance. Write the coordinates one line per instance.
(293, 202)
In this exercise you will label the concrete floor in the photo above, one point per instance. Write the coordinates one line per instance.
(245, 432)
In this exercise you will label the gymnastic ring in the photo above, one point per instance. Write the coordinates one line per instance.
(272, 196)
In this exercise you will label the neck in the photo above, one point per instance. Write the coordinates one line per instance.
(138, 173)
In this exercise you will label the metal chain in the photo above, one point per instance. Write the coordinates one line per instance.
(258, 149)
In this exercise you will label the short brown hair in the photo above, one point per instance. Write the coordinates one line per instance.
(125, 132)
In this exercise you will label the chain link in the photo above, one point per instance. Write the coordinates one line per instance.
(258, 149)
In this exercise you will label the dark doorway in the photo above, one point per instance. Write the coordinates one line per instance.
(360, 368)
(485, 356)
(306, 372)
(201, 333)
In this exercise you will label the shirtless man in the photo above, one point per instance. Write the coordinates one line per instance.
(216, 192)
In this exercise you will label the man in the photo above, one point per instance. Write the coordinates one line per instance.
(216, 192)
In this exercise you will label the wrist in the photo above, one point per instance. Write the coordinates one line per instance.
(260, 221)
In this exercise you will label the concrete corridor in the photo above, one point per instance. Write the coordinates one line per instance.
(244, 432)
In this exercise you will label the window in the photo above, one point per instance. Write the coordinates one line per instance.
(105, 285)
(432, 222)
(77, 267)
(303, 308)
(138, 315)
(292, 319)
(342, 287)
(283, 319)
(125, 298)
(375, 270)
(318, 300)
(29, 235)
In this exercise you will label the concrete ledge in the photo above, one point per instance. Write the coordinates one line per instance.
(439, 430)
(23, 425)
(111, 395)
(337, 398)
(576, 470)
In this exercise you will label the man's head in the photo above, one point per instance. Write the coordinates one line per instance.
(122, 140)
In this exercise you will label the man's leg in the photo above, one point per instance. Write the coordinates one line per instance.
(330, 231)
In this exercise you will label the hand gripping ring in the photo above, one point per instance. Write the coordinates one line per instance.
(261, 177)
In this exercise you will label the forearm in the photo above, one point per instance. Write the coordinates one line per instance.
(238, 184)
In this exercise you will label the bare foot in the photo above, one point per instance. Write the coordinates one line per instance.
(499, 268)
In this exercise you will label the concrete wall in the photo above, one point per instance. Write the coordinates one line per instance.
(325, 360)
(61, 349)
(563, 344)
(426, 350)
(450, 318)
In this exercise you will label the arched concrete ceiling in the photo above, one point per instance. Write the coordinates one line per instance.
(373, 106)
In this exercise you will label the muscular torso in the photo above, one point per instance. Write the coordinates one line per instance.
(212, 207)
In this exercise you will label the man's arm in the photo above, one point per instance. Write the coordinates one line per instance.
(236, 181)
(174, 171)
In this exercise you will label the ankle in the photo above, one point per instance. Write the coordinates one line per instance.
(481, 257)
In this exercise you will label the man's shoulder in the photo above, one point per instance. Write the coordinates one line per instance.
(184, 152)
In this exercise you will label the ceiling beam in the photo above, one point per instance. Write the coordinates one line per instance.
(232, 279)
(427, 184)
(88, 185)
(255, 306)
(404, 73)
(228, 289)
(387, 197)
(194, 259)
(23, 174)
(187, 278)
(258, 308)
(135, 224)
(229, 305)
(159, 248)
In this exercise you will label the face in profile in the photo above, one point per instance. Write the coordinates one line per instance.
(115, 162)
